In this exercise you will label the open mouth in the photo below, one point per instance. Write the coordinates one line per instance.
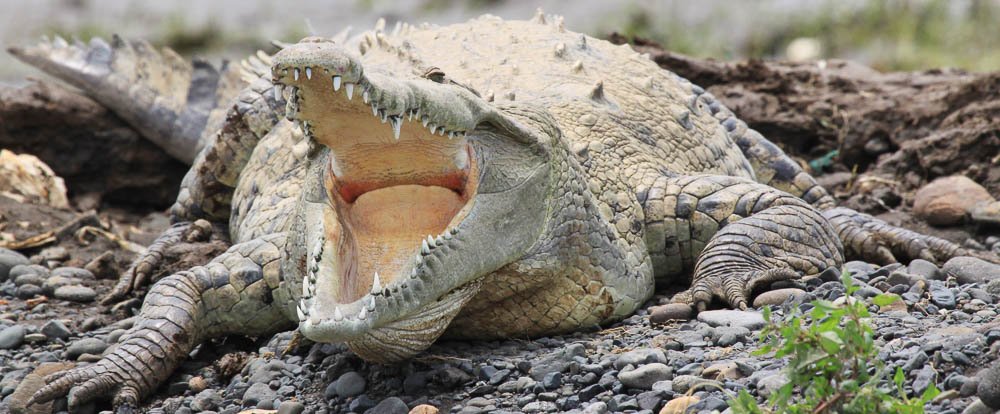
(400, 179)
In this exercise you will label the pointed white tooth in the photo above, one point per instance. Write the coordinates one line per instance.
(425, 120)
(432, 127)
(277, 92)
(371, 304)
(363, 314)
(397, 125)
(413, 273)
(385, 116)
(418, 261)
(374, 110)
(309, 73)
(447, 235)
(305, 288)
(430, 240)
(438, 240)
(337, 315)
(336, 83)
(350, 90)
(295, 73)
(364, 96)
(301, 314)
(424, 248)
(451, 134)
(376, 284)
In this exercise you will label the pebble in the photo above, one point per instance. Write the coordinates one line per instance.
(971, 270)
(947, 200)
(28, 291)
(989, 386)
(748, 319)
(75, 293)
(557, 361)
(350, 384)
(73, 273)
(670, 312)
(257, 393)
(643, 377)
(925, 269)
(424, 409)
(778, 297)
(32, 269)
(55, 282)
(56, 329)
(9, 259)
(941, 295)
(12, 337)
(679, 405)
(29, 279)
(92, 346)
(206, 400)
(771, 383)
(391, 405)
(640, 356)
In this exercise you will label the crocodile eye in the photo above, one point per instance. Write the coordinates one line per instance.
(435, 74)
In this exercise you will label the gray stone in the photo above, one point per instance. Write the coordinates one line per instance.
(682, 383)
(977, 407)
(771, 383)
(902, 277)
(540, 407)
(925, 269)
(73, 273)
(291, 407)
(670, 312)
(925, 378)
(596, 408)
(748, 319)
(55, 282)
(85, 346)
(556, 361)
(29, 279)
(971, 270)
(350, 384)
(391, 405)
(941, 295)
(12, 337)
(28, 269)
(75, 293)
(56, 329)
(9, 259)
(258, 392)
(643, 377)
(778, 296)
(28, 291)
(206, 400)
(640, 356)
(989, 386)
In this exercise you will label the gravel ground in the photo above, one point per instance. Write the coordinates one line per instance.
(942, 332)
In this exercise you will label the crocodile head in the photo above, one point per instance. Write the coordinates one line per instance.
(417, 188)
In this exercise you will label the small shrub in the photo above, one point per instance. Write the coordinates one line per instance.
(833, 365)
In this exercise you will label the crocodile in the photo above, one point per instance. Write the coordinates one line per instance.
(488, 179)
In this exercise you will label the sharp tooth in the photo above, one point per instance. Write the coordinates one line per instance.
(309, 73)
(451, 134)
(413, 273)
(424, 248)
(454, 230)
(371, 304)
(385, 116)
(438, 240)
(425, 120)
(397, 125)
(418, 261)
(441, 131)
(409, 115)
(447, 235)
(430, 241)
(337, 316)
(432, 127)
(305, 288)
(376, 285)
(301, 314)
(336, 83)
(364, 96)
(350, 90)
(295, 74)
(374, 110)
(277, 92)
(363, 314)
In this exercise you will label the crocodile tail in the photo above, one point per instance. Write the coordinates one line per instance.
(172, 102)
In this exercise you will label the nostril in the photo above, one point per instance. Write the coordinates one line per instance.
(316, 39)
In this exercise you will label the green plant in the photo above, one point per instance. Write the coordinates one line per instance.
(833, 365)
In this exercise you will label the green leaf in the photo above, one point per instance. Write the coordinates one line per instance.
(830, 342)
(898, 377)
(883, 299)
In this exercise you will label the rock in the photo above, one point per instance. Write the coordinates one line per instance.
(747, 319)
(643, 377)
(291, 407)
(925, 378)
(75, 293)
(897, 305)
(552, 380)
(197, 384)
(350, 384)
(33, 382)
(925, 269)
(977, 407)
(9, 259)
(941, 295)
(640, 356)
(56, 329)
(540, 407)
(12, 337)
(670, 312)
(256, 393)
(73, 273)
(206, 400)
(682, 383)
(556, 361)
(988, 213)
(901, 277)
(103, 266)
(778, 296)
(27, 179)
(31, 269)
(56, 282)
(947, 200)
(85, 346)
(360, 404)
(28, 291)
(29, 279)
(424, 409)
(391, 405)
(722, 371)
(971, 270)
(679, 405)
(771, 383)
(989, 386)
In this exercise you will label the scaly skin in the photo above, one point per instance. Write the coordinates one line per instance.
(578, 175)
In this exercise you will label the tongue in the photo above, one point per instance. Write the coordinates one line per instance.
(388, 225)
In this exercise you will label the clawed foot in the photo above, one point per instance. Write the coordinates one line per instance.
(874, 240)
(104, 378)
(139, 273)
(735, 288)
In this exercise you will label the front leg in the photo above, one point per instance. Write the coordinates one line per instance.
(230, 294)
(735, 235)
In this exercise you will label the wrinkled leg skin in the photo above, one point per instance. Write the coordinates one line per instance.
(228, 295)
(736, 235)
